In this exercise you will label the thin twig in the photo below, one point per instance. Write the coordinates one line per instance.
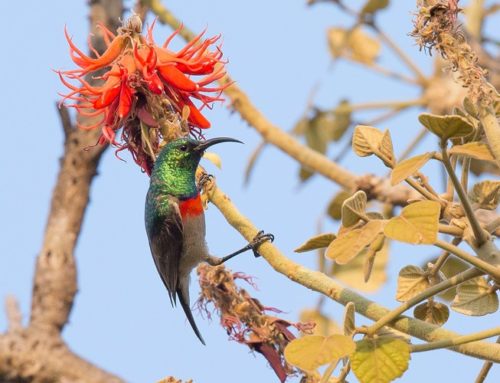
(456, 341)
(427, 293)
(474, 223)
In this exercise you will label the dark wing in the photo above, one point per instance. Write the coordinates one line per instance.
(165, 241)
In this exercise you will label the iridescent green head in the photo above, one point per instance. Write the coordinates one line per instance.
(175, 168)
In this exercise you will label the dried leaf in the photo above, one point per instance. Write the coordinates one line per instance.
(476, 150)
(476, 298)
(353, 273)
(412, 280)
(346, 247)
(432, 312)
(312, 351)
(408, 167)
(486, 194)
(349, 319)
(380, 360)
(352, 208)
(324, 325)
(417, 223)
(446, 127)
(317, 242)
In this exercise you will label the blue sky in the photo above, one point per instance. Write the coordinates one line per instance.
(122, 318)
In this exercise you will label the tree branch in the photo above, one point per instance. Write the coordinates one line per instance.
(321, 283)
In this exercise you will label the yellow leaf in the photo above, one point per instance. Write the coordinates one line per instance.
(408, 167)
(334, 209)
(324, 325)
(476, 298)
(366, 140)
(412, 280)
(446, 127)
(352, 208)
(316, 242)
(349, 319)
(370, 255)
(213, 158)
(337, 40)
(486, 194)
(312, 351)
(476, 150)
(380, 360)
(386, 150)
(347, 246)
(417, 223)
(432, 312)
(353, 44)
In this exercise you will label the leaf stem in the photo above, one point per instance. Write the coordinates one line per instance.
(429, 292)
(329, 371)
(456, 341)
(422, 79)
(474, 223)
(467, 257)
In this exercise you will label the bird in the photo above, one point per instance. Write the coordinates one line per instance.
(175, 219)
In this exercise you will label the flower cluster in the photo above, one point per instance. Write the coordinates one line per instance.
(146, 89)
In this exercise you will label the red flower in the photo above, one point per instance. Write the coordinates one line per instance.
(146, 89)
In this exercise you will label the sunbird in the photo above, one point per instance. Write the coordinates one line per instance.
(175, 219)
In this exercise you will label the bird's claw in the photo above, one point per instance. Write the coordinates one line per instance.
(258, 240)
(204, 179)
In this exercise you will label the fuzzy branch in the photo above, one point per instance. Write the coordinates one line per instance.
(37, 353)
(321, 283)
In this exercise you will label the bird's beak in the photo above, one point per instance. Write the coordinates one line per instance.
(202, 146)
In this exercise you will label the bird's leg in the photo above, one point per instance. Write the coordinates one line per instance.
(254, 244)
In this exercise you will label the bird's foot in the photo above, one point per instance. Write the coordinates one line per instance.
(205, 179)
(258, 240)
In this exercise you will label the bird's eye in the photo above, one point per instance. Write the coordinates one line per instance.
(184, 148)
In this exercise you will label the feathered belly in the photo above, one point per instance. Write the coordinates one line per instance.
(194, 246)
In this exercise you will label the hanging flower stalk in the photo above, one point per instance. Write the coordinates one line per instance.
(152, 92)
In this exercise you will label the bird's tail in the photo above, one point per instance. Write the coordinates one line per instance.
(184, 300)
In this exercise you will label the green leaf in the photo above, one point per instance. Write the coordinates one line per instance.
(352, 208)
(372, 6)
(380, 360)
(417, 223)
(312, 351)
(345, 247)
(432, 312)
(446, 127)
(486, 194)
(317, 242)
(408, 167)
(476, 298)
(412, 280)
(476, 150)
